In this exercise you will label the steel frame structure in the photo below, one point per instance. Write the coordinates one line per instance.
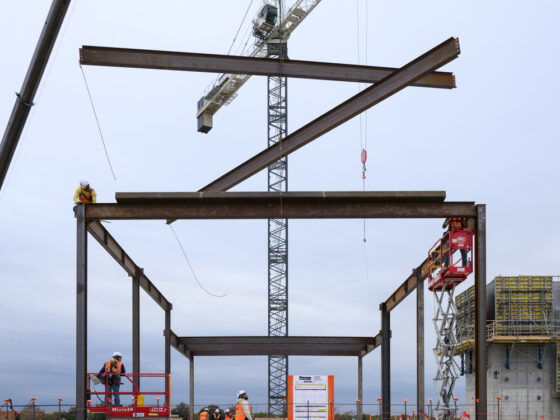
(149, 206)
(328, 206)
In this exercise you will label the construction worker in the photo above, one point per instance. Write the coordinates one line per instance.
(453, 224)
(204, 414)
(85, 194)
(242, 409)
(228, 414)
(217, 415)
(112, 369)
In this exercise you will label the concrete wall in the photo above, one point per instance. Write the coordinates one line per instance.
(523, 387)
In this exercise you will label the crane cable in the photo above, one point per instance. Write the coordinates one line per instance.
(98, 125)
(191, 267)
(240, 26)
(363, 122)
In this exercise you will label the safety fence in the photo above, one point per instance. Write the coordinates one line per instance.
(497, 410)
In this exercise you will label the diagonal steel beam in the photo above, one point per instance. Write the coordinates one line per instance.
(101, 235)
(230, 64)
(396, 81)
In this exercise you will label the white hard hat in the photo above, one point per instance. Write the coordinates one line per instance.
(240, 393)
(117, 354)
(84, 183)
(206, 409)
(217, 410)
(227, 410)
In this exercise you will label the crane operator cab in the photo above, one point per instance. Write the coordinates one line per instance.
(450, 259)
(265, 21)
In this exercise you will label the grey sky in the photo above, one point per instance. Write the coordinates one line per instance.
(493, 140)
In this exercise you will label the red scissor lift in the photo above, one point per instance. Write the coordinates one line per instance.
(447, 274)
(137, 408)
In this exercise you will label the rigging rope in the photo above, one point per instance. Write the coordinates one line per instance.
(363, 122)
(240, 26)
(191, 267)
(98, 125)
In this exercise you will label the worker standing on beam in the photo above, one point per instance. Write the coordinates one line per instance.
(85, 194)
(242, 409)
(112, 369)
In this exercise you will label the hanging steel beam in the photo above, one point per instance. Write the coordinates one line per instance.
(290, 205)
(25, 97)
(396, 81)
(101, 235)
(230, 64)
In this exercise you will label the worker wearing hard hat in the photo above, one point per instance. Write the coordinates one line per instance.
(112, 369)
(217, 414)
(228, 414)
(453, 224)
(85, 194)
(203, 415)
(242, 408)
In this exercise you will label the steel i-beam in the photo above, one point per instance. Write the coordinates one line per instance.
(481, 389)
(81, 312)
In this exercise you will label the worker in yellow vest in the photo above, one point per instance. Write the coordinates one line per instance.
(85, 194)
(112, 370)
(242, 408)
(204, 414)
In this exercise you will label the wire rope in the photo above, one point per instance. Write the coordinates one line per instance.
(240, 26)
(98, 125)
(191, 267)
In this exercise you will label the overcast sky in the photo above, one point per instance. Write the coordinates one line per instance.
(492, 140)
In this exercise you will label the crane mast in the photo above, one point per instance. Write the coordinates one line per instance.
(271, 30)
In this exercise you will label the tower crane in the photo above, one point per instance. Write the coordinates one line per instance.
(271, 30)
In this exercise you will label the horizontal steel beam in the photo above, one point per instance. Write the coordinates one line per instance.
(313, 205)
(269, 346)
(229, 64)
(101, 235)
(396, 81)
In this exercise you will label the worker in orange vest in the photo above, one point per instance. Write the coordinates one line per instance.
(242, 408)
(453, 224)
(112, 370)
(85, 194)
(228, 415)
(203, 415)
(217, 414)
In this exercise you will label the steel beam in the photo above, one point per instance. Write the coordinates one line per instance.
(101, 235)
(81, 312)
(136, 327)
(167, 351)
(420, 382)
(481, 389)
(25, 97)
(385, 363)
(396, 81)
(230, 64)
(290, 205)
(174, 342)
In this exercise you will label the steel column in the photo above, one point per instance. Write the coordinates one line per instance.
(385, 362)
(25, 97)
(360, 389)
(81, 312)
(191, 388)
(167, 350)
(420, 382)
(231, 64)
(480, 314)
(136, 328)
